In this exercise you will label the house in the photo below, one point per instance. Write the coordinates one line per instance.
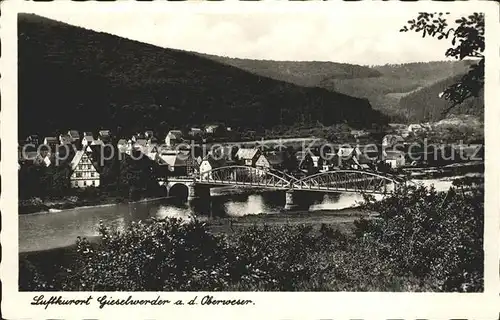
(359, 133)
(148, 134)
(97, 142)
(84, 173)
(104, 136)
(88, 138)
(416, 128)
(212, 128)
(173, 138)
(248, 157)
(391, 140)
(43, 159)
(151, 150)
(65, 139)
(195, 132)
(33, 139)
(74, 135)
(141, 145)
(180, 163)
(394, 158)
(124, 146)
(272, 160)
(354, 158)
(51, 143)
(209, 163)
(331, 161)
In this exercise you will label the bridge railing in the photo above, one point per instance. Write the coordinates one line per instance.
(348, 180)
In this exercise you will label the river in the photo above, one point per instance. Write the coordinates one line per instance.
(44, 231)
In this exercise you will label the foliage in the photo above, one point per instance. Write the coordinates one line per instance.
(429, 233)
(423, 240)
(162, 255)
(41, 181)
(467, 40)
(137, 176)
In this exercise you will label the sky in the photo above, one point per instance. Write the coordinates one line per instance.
(360, 38)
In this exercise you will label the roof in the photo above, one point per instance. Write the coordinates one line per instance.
(247, 154)
(104, 132)
(393, 139)
(275, 158)
(66, 139)
(88, 138)
(141, 142)
(51, 139)
(174, 160)
(74, 134)
(76, 159)
(176, 134)
(97, 142)
(214, 163)
(345, 152)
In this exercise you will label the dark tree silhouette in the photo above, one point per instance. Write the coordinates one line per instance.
(467, 42)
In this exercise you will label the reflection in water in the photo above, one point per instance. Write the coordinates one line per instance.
(50, 230)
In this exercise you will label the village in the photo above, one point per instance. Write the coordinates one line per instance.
(185, 154)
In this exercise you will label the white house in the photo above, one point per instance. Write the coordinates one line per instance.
(248, 157)
(416, 127)
(392, 140)
(84, 172)
(74, 134)
(394, 158)
(173, 138)
(88, 139)
(211, 128)
(209, 163)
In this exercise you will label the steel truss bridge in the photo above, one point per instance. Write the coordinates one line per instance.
(331, 181)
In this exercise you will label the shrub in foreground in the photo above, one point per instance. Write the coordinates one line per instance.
(431, 234)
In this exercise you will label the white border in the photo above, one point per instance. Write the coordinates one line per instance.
(274, 305)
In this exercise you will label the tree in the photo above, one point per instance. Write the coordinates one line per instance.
(467, 40)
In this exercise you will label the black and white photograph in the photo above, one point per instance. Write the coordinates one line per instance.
(249, 151)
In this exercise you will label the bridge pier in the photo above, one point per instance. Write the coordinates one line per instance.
(198, 191)
(290, 200)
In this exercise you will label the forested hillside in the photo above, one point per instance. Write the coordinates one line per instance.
(425, 103)
(70, 77)
(305, 73)
(384, 86)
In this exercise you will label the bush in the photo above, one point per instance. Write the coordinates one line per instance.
(161, 255)
(426, 233)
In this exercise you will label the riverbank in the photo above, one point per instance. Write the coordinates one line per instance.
(450, 170)
(39, 206)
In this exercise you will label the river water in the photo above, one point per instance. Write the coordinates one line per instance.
(44, 231)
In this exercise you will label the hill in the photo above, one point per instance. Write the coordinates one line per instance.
(425, 103)
(395, 89)
(304, 73)
(70, 77)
